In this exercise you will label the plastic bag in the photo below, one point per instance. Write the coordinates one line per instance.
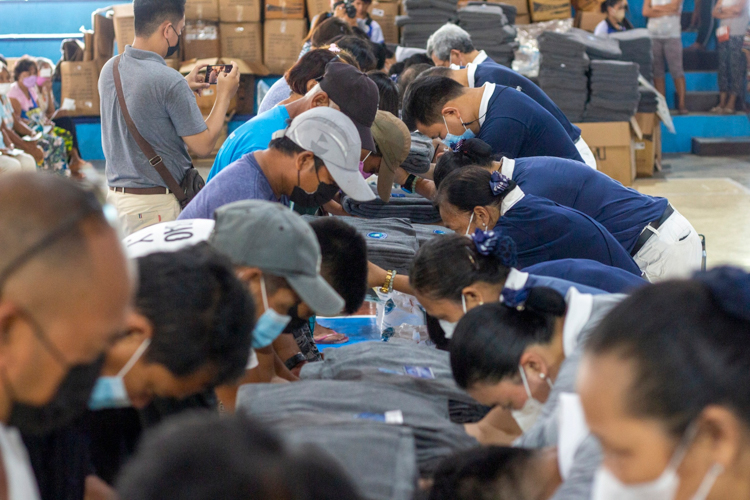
(401, 316)
(527, 56)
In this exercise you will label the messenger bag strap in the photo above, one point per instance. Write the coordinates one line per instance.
(154, 159)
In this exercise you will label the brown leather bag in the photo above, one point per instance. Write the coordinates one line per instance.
(191, 184)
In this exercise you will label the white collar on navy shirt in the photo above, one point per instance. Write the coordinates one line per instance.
(511, 199)
(489, 89)
(516, 279)
(508, 167)
(471, 69)
(580, 306)
(481, 57)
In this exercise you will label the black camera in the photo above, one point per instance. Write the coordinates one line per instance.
(351, 10)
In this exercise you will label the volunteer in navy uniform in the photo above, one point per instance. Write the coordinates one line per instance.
(473, 198)
(476, 75)
(505, 118)
(451, 45)
(661, 240)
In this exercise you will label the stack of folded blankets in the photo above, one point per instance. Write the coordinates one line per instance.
(636, 47)
(597, 47)
(648, 102)
(562, 72)
(422, 19)
(403, 205)
(391, 243)
(490, 30)
(420, 155)
(614, 91)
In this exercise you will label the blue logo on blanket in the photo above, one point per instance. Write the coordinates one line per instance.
(377, 236)
(438, 231)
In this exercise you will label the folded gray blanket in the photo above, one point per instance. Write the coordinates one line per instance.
(401, 206)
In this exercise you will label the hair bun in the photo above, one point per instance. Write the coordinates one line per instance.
(476, 149)
(503, 248)
(546, 300)
(730, 287)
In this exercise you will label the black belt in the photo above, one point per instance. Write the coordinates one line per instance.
(646, 234)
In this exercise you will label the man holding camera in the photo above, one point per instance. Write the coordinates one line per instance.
(366, 23)
(164, 112)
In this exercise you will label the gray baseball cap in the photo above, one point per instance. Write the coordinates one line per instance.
(271, 237)
(331, 136)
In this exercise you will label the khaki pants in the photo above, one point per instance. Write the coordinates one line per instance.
(142, 210)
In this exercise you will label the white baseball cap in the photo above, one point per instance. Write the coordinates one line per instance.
(168, 237)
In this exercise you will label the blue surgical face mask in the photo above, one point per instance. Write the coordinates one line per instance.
(270, 325)
(451, 140)
(110, 392)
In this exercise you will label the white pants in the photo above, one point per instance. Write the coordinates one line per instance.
(585, 151)
(20, 162)
(674, 251)
(138, 211)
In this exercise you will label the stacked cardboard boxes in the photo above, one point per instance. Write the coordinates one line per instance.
(282, 41)
(613, 146)
(385, 14)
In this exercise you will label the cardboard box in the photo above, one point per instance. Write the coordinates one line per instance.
(124, 25)
(282, 42)
(206, 10)
(522, 6)
(547, 10)
(88, 45)
(648, 147)
(523, 19)
(201, 40)
(588, 21)
(80, 83)
(240, 11)
(315, 7)
(614, 148)
(587, 5)
(385, 14)
(242, 41)
(104, 34)
(285, 9)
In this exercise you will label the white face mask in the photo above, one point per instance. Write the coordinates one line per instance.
(4, 88)
(270, 325)
(608, 487)
(471, 219)
(110, 392)
(450, 326)
(527, 416)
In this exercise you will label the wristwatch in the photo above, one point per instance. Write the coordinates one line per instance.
(390, 277)
(410, 185)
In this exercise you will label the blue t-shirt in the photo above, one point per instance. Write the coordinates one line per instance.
(590, 273)
(544, 231)
(517, 127)
(253, 135)
(242, 180)
(491, 72)
(623, 211)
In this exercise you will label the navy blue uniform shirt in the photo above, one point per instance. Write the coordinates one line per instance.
(590, 273)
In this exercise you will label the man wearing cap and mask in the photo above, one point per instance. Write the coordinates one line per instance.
(306, 164)
(392, 145)
(343, 87)
(65, 293)
(277, 255)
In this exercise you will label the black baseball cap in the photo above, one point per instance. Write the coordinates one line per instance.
(356, 95)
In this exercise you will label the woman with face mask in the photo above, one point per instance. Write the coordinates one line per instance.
(521, 354)
(664, 386)
(616, 20)
(473, 198)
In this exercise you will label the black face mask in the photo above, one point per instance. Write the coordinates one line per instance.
(172, 50)
(321, 196)
(70, 402)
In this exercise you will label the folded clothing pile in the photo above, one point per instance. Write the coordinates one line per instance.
(391, 243)
(562, 72)
(648, 102)
(420, 155)
(422, 19)
(614, 91)
(636, 47)
(597, 47)
(490, 30)
(427, 232)
(426, 415)
(412, 207)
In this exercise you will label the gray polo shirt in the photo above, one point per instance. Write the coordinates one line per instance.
(163, 108)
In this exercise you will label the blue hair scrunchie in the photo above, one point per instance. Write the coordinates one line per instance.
(499, 183)
(730, 286)
(515, 299)
(503, 248)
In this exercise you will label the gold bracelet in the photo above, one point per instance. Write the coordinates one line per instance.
(390, 277)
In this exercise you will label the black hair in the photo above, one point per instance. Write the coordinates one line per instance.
(485, 473)
(327, 31)
(608, 3)
(380, 51)
(408, 75)
(436, 333)
(425, 97)
(201, 313)
(204, 456)
(388, 91)
(444, 266)
(689, 346)
(490, 339)
(396, 69)
(437, 71)
(25, 63)
(288, 147)
(344, 265)
(418, 59)
(360, 49)
(471, 152)
(469, 187)
(312, 66)
(149, 14)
